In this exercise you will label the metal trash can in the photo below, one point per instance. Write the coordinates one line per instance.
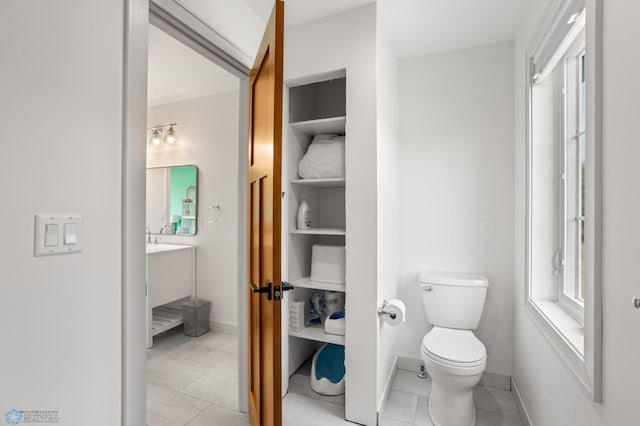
(195, 315)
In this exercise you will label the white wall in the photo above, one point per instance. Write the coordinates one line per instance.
(388, 147)
(348, 41)
(207, 135)
(61, 84)
(456, 186)
(553, 397)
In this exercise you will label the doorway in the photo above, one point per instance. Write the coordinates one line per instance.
(172, 20)
(192, 224)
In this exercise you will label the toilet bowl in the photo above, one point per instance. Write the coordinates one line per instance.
(453, 356)
(455, 360)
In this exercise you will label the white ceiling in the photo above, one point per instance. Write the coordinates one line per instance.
(415, 28)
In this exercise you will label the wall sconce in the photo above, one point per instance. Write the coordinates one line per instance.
(157, 132)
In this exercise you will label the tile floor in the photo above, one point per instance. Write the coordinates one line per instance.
(409, 397)
(192, 382)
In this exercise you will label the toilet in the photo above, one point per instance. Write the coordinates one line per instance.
(453, 356)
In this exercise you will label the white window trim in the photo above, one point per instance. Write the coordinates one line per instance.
(578, 344)
(573, 305)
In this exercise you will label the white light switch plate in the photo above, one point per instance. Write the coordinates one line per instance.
(68, 224)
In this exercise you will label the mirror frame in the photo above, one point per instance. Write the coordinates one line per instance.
(190, 191)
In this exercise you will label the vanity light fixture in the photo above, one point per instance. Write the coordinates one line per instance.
(171, 135)
(157, 132)
(155, 137)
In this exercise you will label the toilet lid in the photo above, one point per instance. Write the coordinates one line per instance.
(453, 346)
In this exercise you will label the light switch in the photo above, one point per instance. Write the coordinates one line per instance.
(51, 235)
(70, 237)
(55, 234)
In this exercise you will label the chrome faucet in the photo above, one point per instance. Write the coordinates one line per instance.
(148, 232)
(163, 228)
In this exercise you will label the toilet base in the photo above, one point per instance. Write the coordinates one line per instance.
(451, 399)
(451, 408)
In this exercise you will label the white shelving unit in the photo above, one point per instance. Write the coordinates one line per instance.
(317, 334)
(165, 318)
(319, 231)
(321, 183)
(314, 108)
(321, 125)
(307, 282)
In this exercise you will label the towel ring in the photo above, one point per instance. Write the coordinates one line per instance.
(213, 213)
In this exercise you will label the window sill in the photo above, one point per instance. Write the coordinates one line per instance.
(565, 334)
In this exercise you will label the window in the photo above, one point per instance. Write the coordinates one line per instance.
(558, 151)
(564, 175)
(570, 274)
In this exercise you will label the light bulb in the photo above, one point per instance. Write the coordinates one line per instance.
(155, 137)
(171, 135)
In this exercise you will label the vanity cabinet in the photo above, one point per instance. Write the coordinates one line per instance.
(314, 107)
(171, 276)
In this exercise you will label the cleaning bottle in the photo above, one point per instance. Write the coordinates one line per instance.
(304, 216)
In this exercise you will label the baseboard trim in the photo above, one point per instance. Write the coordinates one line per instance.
(494, 380)
(387, 390)
(223, 327)
(522, 410)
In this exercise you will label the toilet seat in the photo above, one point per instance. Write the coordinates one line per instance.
(454, 348)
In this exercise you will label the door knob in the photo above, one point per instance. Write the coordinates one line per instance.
(286, 286)
(277, 290)
(266, 289)
(636, 302)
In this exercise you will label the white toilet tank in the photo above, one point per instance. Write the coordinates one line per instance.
(453, 300)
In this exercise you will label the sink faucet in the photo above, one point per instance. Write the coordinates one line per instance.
(148, 232)
(163, 228)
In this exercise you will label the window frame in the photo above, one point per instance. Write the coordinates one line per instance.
(571, 262)
(578, 345)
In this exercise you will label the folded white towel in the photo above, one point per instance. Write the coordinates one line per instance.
(335, 326)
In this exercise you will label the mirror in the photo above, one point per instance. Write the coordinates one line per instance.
(171, 200)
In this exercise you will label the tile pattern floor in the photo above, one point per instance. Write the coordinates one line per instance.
(192, 382)
(409, 398)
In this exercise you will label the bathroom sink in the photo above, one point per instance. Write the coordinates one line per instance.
(161, 247)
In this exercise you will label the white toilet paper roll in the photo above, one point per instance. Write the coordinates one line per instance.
(395, 306)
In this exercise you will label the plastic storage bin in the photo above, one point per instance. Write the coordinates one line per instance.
(328, 263)
(195, 315)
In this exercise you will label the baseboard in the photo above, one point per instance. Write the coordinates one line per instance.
(223, 327)
(494, 380)
(410, 364)
(522, 410)
(387, 390)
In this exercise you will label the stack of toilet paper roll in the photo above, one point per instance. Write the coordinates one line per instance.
(298, 315)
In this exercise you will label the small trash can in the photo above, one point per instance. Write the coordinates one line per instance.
(195, 315)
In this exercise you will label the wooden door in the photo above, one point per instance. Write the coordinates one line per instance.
(265, 171)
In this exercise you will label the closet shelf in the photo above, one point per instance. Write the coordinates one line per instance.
(306, 282)
(321, 125)
(321, 183)
(319, 231)
(317, 334)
